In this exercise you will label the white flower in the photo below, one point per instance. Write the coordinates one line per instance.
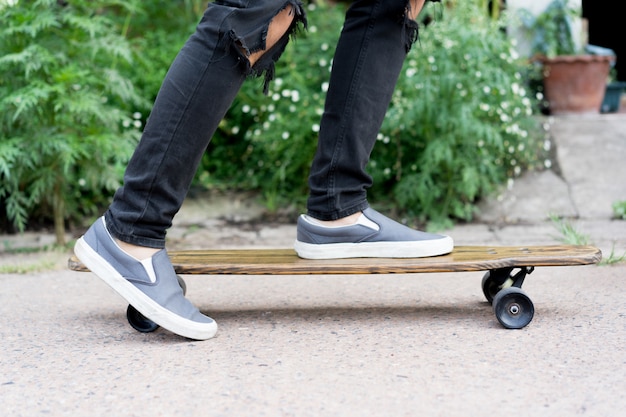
(547, 145)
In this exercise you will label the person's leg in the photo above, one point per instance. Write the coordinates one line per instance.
(229, 44)
(235, 38)
(369, 56)
(376, 37)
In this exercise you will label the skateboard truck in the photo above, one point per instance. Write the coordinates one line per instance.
(503, 290)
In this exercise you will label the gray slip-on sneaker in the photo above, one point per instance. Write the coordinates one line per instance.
(151, 286)
(373, 236)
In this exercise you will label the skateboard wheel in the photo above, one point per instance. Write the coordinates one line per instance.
(139, 322)
(142, 324)
(513, 308)
(494, 281)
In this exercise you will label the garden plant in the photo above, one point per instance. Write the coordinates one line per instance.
(77, 80)
(67, 129)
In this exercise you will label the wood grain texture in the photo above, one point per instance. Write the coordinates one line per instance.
(286, 262)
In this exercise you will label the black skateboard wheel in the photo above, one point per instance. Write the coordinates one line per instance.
(139, 322)
(513, 308)
(494, 281)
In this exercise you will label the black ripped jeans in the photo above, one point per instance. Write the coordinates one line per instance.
(204, 80)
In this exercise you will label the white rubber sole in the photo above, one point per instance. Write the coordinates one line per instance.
(144, 304)
(413, 249)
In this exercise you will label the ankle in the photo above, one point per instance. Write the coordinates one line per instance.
(138, 252)
(344, 221)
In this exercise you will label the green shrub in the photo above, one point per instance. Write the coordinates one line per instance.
(460, 123)
(156, 31)
(268, 142)
(67, 128)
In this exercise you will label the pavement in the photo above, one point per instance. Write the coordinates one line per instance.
(397, 345)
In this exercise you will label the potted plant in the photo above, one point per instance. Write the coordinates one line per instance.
(574, 80)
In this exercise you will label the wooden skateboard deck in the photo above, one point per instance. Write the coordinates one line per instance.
(506, 266)
(287, 262)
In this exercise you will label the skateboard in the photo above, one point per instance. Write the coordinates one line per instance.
(505, 269)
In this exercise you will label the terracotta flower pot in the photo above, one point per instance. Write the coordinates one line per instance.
(575, 83)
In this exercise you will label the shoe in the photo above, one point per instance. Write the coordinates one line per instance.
(151, 286)
(373, 236)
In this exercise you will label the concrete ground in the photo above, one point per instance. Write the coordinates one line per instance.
(396, 345)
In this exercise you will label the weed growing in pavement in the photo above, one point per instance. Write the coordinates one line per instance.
(571, 236)
(619, 209)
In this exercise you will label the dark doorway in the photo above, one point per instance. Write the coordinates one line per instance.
(606, 28)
